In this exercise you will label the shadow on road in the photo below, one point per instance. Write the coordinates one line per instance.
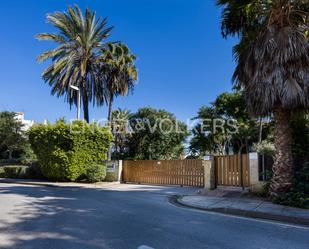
(74, 217)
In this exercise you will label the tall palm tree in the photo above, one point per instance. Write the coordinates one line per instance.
(272, 67)
(75, 61)
(120, 73)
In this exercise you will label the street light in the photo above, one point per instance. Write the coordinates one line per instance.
(78, 100)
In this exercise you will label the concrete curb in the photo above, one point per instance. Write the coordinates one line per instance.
(177, 200)
(53, 184)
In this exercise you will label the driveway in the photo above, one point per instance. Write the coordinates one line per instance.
(128, 217)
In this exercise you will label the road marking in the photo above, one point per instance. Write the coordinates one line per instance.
(144, 247)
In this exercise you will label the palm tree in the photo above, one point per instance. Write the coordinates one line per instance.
(272, 67)
(119, 73)
(75, 60)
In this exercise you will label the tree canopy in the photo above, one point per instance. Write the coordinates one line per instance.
(155, 134)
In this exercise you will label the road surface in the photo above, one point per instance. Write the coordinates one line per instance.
(128, 217)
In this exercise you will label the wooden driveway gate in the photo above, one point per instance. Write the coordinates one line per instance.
(164, 172)
(232, 170)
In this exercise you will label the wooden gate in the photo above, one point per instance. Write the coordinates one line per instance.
(232, 170)
(165, 172)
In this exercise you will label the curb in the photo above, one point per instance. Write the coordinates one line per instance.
(46, 184)
(177, 200)
(7, 180)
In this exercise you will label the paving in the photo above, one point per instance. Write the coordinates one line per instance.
(123, 216)
(233, 202)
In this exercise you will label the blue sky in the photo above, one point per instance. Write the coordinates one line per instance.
(183, 61)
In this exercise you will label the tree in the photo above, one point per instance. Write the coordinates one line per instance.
(155, 134)
(76, 59)
(119, 72)
(272, 67)
(12, 137)
(228, 109)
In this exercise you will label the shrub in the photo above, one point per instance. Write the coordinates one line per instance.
(110, 177)
(265, 148)
(95, 173)
(2, 174)
(299, 194)
(294, 199)
(16, 171)
(65, 151)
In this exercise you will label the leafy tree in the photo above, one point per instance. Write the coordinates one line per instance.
(75, 61)
(238, 133)
(272, 68)
(12, 137)
(155, 134)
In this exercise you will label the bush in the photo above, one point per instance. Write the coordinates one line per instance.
(294, 199)
(95, 173)
(16, 171)
(299, 194)
(2, 174)
(65, 151)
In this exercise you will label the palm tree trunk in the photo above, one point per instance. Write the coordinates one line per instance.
(85, 105)
(281, 181)
(109, 117)
(110, 110)
(260, 130)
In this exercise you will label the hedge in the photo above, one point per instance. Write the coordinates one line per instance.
(65, 151)
(16, 171)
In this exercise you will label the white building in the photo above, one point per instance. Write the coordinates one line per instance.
(20, 116)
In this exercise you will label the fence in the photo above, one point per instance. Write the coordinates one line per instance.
(165, 172)
(232, 170)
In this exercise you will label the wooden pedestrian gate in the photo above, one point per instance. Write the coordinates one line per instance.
(166, 172)
(232, 170)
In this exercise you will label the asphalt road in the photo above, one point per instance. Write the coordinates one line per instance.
(125, 217)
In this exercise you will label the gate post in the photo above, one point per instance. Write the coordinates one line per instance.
(209, 173)
(255, 184)
(113, 170)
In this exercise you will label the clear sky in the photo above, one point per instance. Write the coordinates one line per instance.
(183, 61)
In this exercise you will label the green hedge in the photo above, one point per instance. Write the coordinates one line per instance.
(95, 173)
(64, 151)
(16, 171)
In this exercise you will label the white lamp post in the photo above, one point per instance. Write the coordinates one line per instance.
(78, 100)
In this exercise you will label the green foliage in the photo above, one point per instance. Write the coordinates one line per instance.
(229, 108)
(80, 39)
(12, 137)
(2, 174)
(156, 135)
(265, 148)
(110, 177)
(64, 151)
(299, 194)
(118, 67)
(294, 199)
(300, 135)
(95, 173)
(16, 171)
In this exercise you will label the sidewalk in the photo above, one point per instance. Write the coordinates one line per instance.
(56, 184)
(248, 207)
